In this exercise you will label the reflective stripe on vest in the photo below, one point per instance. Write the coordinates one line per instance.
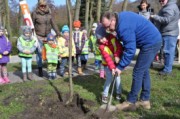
(77, 36)
(113, 41)
(85, 49)
(26, 46)
(51, 54)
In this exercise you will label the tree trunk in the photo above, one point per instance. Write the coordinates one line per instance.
(98, 11)
(110, 5)
(7, 18)
(87, 14)
(68, 4)
(125, 3)
(91, 18)
(77, 9)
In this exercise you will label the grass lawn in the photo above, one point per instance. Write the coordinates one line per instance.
(165, 94)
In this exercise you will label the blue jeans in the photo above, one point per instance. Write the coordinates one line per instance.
(169, 52)
(141, 78)
(26, 64)
(63, 64)
(39, 54)
(107, 84)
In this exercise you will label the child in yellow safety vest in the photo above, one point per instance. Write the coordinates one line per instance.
(111, 51)
(26, 45)
(85, 51)
(79, 39)
(63, 44)
(50, 52)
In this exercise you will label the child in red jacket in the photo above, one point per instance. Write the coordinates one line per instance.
(111, 50)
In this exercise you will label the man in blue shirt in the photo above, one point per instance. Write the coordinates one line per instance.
(135, 32)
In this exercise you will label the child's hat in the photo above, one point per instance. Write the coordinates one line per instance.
(50, 37)
(94, 26)
(77, 24)
(26, 29)
(65, 28)
(100, 32)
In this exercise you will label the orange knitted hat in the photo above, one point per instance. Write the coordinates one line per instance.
(77, 24)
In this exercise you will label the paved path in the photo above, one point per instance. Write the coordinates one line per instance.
(17, 75)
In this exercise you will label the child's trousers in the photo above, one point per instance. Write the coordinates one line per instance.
(26, 63)
(107, 84)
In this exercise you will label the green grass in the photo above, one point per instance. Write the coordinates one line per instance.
(165, 94)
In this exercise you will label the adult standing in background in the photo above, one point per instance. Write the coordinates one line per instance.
(43, 23)
(167, 22)
(135, 32)
(144, 9)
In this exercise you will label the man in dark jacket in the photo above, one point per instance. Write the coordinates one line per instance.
(43, 23)
(135, 31)
(167, 22)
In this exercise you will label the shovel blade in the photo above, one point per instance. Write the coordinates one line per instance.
(104, 112)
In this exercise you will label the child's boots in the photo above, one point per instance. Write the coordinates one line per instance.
(6, 80)
(40, 71)
(2, 81)
(80, 71)
(30, 76)
(101, 74)
(24, 77)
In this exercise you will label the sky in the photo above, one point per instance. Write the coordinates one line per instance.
(32, 3)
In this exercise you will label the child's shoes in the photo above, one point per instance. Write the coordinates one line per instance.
(6, 80)
(102, 73)
(2, 81)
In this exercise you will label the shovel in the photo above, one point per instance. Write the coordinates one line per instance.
(106, 110)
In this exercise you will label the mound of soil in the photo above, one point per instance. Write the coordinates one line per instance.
(54, 107)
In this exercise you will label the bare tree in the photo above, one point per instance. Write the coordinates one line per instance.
(91, 18)
(87, 14)
(110, 5)
(7, 13)
(68, 3)
(98, 10)
(125, 3)
(77, 9)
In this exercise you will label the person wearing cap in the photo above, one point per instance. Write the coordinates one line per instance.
(95, 49)
(26, 45)
(111, 51)
(50, 53)
(5, 49)
(167, 22)
(79, 39)
(135, 32)
(43, 23)
(63, 44)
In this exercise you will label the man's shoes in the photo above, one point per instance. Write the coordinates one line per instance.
(143, 104)
(126, 106)
(163, 73)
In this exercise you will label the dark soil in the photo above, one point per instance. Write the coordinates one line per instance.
(52, 107)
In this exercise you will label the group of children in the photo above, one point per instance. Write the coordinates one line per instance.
(106, 48)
